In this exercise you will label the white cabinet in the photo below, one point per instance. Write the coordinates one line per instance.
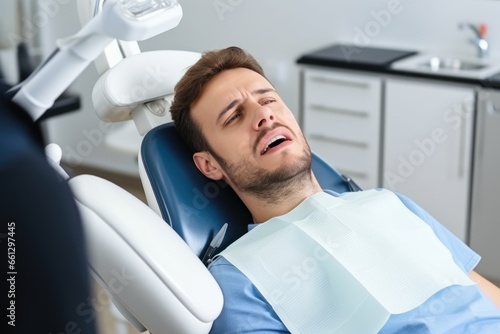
(428, 146)
(485, 224)
(341, 121)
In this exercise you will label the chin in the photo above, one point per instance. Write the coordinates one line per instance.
(297, 166)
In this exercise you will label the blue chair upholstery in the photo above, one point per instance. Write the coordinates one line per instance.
(197, 207)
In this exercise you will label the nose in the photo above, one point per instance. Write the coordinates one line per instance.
(263, 117)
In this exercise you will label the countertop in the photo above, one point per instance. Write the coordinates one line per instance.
(379, 60)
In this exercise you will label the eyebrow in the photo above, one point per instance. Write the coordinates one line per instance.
(234, 102)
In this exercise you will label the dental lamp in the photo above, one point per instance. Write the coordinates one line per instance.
(127, 20)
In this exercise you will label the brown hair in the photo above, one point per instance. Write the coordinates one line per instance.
(190, 86)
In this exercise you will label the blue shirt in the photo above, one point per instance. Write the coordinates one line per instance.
(454, 310)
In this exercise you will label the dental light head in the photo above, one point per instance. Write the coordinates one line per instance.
(128, 20)
(136, 20)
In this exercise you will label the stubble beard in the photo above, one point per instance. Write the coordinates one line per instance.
(270, 186)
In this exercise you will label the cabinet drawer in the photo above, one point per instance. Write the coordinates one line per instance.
(354, 161)
(341, 121)
(359, 128)
(341, 93)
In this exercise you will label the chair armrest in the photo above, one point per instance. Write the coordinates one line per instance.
(143, 263)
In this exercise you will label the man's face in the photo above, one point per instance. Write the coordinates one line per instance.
(255, 140)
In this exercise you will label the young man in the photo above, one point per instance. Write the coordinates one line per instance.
(241, 132)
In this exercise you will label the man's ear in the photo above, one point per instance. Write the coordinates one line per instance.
(207, 165)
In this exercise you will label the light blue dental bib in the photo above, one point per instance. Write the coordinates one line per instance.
(344, 265)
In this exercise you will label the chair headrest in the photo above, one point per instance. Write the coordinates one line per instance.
(138, 79)
(195, 206)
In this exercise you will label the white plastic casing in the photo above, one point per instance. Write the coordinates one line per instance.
(138, 79)
(143, 263)
(123, 26)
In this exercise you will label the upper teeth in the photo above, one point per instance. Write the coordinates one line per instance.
(272, 140)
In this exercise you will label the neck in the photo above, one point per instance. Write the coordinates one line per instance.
(281, 200)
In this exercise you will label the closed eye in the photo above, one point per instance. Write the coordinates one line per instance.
(268, 101)
(232, 118)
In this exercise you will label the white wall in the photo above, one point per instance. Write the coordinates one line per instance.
(278, 32)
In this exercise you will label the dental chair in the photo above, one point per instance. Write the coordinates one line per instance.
(170, 290)
(160, 248)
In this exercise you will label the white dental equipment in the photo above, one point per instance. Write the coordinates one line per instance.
(128, 20)
(141, 87)
(152, 276)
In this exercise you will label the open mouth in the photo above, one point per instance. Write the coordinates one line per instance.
(274, 142)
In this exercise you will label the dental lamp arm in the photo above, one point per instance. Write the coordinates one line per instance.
(40, 92)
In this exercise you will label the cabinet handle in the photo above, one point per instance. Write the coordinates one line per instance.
(339, 111)
(338, 140)
(331, 81)
(461, 146)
